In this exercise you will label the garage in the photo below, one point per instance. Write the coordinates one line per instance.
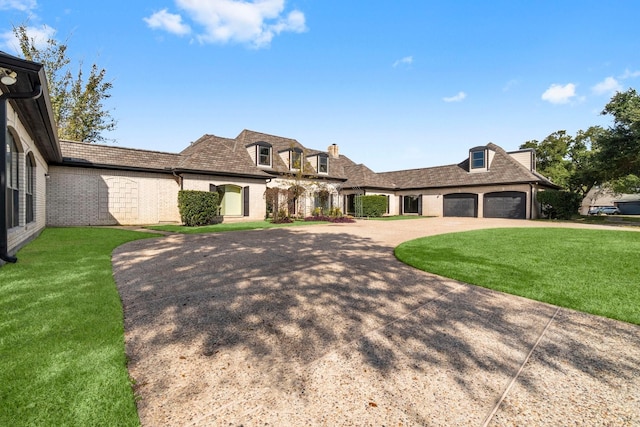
(505, 204)
(461, 204)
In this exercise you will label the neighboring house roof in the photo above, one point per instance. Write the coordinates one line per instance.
(503, 170)
(627, 198)
(36, 115)
(108, 156)
(212, 153)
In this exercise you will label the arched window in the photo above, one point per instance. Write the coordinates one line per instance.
(30, 188)
(13, 190)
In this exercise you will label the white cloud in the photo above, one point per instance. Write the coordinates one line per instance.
(510, 85)
(558, 94)
(456, 98)
(170, 22)
(608, 86)
(407, 60)
(628, 74)
(40, 36)
(22, 5)
(253, 22)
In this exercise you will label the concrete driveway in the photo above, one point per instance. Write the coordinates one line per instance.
(314, 326)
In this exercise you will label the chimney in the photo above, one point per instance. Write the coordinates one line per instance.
(333, 151)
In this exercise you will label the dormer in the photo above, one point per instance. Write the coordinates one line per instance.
(261, 154)
(293, 158)
(480, 159)
(320, 162)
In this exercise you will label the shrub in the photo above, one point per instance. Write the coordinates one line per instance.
(334, 219)
(335, 211)
(557, 204)
(199, 207)
(373, 206)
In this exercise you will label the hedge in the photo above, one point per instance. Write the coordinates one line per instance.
(373, 206)
(199, 207)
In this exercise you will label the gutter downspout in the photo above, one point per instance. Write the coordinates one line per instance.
(4, 241)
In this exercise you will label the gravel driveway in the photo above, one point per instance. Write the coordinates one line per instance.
(315, 326)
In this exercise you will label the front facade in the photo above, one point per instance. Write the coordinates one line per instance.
(67, 183)
(106, 185)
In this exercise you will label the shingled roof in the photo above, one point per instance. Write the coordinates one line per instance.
(97, 155)
(503, 170)
(212, 154)
(280, 144)
(225, 156)
(361, 176)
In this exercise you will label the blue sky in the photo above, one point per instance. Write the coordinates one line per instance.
(397, 85)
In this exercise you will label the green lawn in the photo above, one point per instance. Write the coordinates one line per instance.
(61, 333)
(594, 271)
(230, 226)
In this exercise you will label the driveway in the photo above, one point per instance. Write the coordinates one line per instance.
(315, 326)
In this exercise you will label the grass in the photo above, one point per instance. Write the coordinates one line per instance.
(594, 271)
(61, 332)
(231, 226)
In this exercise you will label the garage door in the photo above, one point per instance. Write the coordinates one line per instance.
(460, 204)
(505, 204)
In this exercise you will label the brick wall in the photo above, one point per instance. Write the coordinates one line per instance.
(84, 196)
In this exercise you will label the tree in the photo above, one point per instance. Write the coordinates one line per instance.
(568, 161)
(619, 147)
(77, 103)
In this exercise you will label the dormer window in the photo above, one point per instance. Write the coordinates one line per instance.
(295, 159)
(264, 155)
(323, 164)
(478, 159)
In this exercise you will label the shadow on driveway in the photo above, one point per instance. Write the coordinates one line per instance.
(298, 327)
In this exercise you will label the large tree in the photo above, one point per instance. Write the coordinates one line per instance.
(568, 161)
(77, 101)
(619, 147)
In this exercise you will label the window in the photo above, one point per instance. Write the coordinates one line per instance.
(296, 159)
(323, 164)
(477, 160)
(411, 204)
(264, 155)
(13, 191)
(31, 178)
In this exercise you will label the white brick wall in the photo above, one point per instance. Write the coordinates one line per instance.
(83, 196)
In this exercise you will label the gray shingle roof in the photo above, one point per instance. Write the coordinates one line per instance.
(361, 176)
(82, 153)
(216, 155)
(503, 170)
(212, 154)
(280, 144)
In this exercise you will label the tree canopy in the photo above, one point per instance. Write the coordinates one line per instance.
(567, 160)
(618, 149)
(77, 101)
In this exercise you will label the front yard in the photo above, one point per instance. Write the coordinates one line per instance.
(61, 319)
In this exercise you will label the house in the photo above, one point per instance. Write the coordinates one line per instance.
(600, 196)
(52, 182)
(28, 143)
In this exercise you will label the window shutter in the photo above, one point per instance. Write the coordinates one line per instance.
(420, 204)
(401, 207)
(245, 195)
